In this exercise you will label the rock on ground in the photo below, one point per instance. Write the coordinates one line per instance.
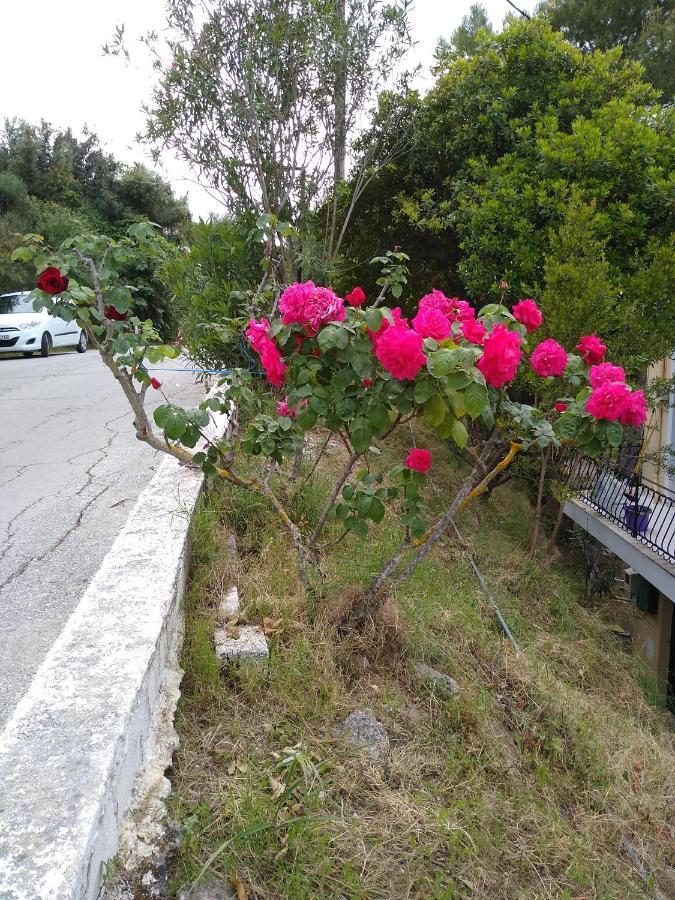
(211, 890)
(443, 684)
(362, 731)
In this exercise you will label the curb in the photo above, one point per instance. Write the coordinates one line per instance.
(86, 728)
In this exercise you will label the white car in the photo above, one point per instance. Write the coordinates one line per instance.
(22, 330)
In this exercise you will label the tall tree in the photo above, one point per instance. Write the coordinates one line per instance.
(463, 41)
(643, 28)
(261, 97)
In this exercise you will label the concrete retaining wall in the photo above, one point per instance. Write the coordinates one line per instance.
(81, 735)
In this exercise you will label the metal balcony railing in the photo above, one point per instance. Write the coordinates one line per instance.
(637, 505)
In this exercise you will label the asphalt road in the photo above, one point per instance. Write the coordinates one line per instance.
(70, 471)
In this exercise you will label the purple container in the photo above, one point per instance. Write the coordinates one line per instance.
(636, 517)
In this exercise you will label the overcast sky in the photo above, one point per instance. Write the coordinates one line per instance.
(53, 68)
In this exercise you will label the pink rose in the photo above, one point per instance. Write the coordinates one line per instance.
(635, 412)
(560, 406)
(609, 401)
(419, 460)
(598, 375)
(256, 332)
(355, 297)
(431, 323)
(398, 318)
(436, 300)
(272, 363)
(460, 310)
(267, 350)
(399, 349)
(285, 410)
(549, 358)
(293, 301)
(307, 304)
(324, 306)
(528, 314)
(501, 356)
(591, 349)
(473, 331)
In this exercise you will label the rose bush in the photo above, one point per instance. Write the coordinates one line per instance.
(357, 372)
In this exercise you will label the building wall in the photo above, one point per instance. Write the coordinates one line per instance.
(651, 637)
(659, 428)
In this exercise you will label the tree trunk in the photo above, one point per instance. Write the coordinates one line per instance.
(550, 547)
(340, 99)
(540, 497)
(380, 587)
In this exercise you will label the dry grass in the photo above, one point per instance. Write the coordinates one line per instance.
(523, 786)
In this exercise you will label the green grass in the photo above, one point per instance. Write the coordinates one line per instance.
(522, 786)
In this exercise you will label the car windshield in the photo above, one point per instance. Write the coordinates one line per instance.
(15, 303)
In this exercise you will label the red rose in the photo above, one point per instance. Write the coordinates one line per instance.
(432, 323)
(591, 350)
(367, 383)
(155, 383)
(356, 297)
(549, 359)
(528, 314)
(419, 460)
(399, 349)
(501, 356)
(111, 313)
(560, 406)
(51, 281)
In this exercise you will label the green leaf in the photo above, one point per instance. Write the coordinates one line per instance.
(378, 416)
(363, 504)
(361, 435)
(161, 414)
(487, 417)
(457, 401)
(359, 527)
(435, 411)
(175, 424)
(307, 418)
(361, 363)
(396, 290)
(475, 399)
(592, 447)
(342, 511)
(458, 380)
(417, 526)
(376, 510)
(424, 389)
(614, 433)
(22, 253)
(566, 427)
(459, 434)
(443, 361)
(119, 296)
(373, 319)
(200, 417)
(328, 338)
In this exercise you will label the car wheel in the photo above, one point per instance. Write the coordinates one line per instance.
(28, 354)
(82, 343)
(45, 345)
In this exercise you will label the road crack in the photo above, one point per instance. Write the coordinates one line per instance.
(57, 544)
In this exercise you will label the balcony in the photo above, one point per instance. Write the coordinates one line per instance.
(638, 506)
